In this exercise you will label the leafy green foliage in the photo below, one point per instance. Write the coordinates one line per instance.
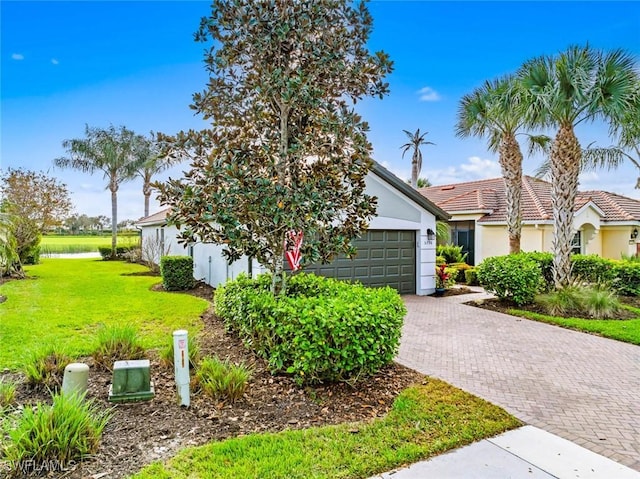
(627, 278)
(223, 380)
(65, 431)
(592, 268)
(471, 277)
(545, 260)
(451, 253)
(45, 367)
(512, 277)
(166, 354)
(321, 330)
(35, 197)
(177, 272)
(117, 343)
(416, 140)
(562, 301)
(286, 150)
(461, 268)
(7, 393)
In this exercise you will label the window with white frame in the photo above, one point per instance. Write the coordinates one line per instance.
(576, 243)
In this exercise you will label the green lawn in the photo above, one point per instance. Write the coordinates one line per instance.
(82, 244)
(627, 330)
(425, 420)
(64, 301)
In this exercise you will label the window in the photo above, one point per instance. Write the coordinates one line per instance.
(576, 243)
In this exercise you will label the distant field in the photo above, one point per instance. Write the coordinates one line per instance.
(81, 244)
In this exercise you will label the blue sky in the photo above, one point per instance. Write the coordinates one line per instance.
(64, 64)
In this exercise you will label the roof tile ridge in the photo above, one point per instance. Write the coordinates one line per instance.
(536, 201)
(606, 196)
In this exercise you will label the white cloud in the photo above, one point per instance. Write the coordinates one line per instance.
(475, 168)
(428, 94)
(17, 56)
(55, 61)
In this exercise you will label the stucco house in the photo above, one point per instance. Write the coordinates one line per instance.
(397, 250)
(606, 224)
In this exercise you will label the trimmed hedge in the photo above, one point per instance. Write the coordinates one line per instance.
(321, 330)
(627, 278)
(177, 272)
(592, 268)
(545, 261)
(514, 277)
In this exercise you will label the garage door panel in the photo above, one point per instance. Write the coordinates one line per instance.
(384, 258)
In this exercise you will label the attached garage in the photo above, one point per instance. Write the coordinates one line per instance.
(385, 258)
(397, 250)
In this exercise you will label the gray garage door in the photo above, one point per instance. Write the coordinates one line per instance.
(385, 258)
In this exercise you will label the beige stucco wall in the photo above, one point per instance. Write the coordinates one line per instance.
(615, 242)
(494, 241)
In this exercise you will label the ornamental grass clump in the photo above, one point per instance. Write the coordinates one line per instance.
(7, 393)
(223, 380)
(44, 368)
(166, 354)
(51, 437)
(117, 343)
(590, 301)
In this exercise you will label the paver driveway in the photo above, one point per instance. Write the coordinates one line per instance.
(578, 386)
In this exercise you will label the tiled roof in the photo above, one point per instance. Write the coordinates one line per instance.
(488, 197)
(157, 218)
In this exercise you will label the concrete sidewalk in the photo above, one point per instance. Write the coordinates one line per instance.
(526, 452)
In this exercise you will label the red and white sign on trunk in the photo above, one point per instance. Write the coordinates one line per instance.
(292, 245)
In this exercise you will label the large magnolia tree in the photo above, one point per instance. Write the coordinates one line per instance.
(579, 85)
(286, 150)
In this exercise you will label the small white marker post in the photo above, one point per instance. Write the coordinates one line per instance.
(181, 365)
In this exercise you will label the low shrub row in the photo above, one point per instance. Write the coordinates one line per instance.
(122, 252)
(520, 277)
(321, 330)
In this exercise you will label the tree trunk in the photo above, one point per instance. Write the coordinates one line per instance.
(114, 218)
(565, 168)
(415, 172)
(146, 191)
(146, 204)
(511, 163)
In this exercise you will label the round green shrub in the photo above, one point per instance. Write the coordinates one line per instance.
(321, 330)
(513, 277)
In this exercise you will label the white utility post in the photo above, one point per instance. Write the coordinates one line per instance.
(181, 365)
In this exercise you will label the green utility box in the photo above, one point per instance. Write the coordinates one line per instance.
(131, 381)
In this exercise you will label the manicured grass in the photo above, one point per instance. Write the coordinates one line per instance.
(623, 330)
(425, 420)
(65, 301)
(81, 244)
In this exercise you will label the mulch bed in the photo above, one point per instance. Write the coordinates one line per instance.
(495, 304)
(143, 432)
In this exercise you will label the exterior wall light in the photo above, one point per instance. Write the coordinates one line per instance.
(431, 235)
(634, 233)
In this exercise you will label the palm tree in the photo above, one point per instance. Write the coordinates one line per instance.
(152, 163)
(109, 150)
(580, 84)
(490, 111)
(416, 140)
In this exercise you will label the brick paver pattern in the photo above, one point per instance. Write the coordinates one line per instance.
(578, 386)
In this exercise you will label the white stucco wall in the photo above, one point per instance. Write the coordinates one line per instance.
(395, 212)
